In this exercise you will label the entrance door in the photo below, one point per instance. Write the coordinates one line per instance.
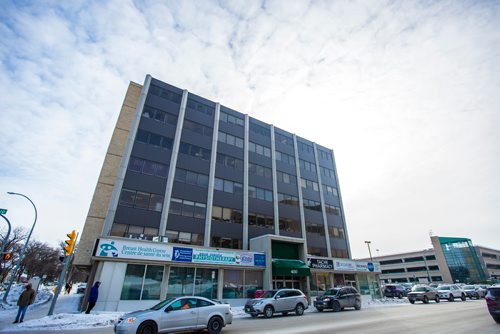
(289, 282)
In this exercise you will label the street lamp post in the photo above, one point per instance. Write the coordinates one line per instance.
(378, 252)
(7, 235)
(21, 254)
(369, 250)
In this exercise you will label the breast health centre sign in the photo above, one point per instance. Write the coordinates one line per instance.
(129, 249)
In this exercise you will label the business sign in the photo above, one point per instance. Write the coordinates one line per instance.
(368, 267)
(344, 265)
(128, 249)
(320, 263)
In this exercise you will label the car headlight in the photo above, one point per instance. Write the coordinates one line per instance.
(326, 299)
(130, 320)
(258, 302)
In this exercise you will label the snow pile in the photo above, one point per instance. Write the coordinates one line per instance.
(385, 302)
(66, 321)
(42, 296)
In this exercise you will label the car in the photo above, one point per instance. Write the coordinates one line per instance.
(423, 293)
(81, 288)
(338, 298)
(450, 292)
(471, 291)
(407, 286)
(177, 314)
(281, 301)
(481, 290)
(493, 302)
(394, 290)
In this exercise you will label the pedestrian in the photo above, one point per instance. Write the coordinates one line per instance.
(93, 295)
(25, 299)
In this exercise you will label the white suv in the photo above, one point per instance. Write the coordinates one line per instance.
(450, 292)
(277, 301)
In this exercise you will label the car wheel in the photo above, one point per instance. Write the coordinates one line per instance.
(497, 319)
(477, 296)
(412, 301)
(437, 299)
(464, 298)
(426, 300)
(268, 311)
(357, 305)
(319, 309)
(147, 327)
(214, 325)
(299, 309)
(451, 298)
(400, 295)
(336, 306)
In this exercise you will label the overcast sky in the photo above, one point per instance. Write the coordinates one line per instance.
(407, 93)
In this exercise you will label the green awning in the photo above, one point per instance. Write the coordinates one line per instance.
(285, 267)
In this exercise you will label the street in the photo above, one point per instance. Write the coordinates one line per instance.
(458, 317)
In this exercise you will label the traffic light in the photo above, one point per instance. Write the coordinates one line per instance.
(7, 256)
(70, 243)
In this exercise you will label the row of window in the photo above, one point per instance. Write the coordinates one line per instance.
(230, 139)
(330, 190)
(159, 115)
(229, 161)
(195, 151)
(227, 118)
(200, 107)
(227, 215)
(133, 231)
(141, 200)
(281, 138)
(286, 158)
(307, 166)
(184, 237)
(286, 178)
(332, 209)
(165, 93)
(260, 193)
(304, 147)
(197, 128)
(148, 167)
(259, 129)
(260, 220)
(259, 149)
(153, 139)
(311, 205)
(260, 170)
(189, 177)
(327, 172)
(308, 184)
(187, 208)
(289, 225)
(325, 155)
(228, 186)
(288, 199)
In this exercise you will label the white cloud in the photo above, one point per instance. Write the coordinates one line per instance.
(405, 93)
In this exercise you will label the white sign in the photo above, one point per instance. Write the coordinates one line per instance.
(344, 265)
(128, 250)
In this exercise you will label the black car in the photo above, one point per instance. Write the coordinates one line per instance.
(338, 298)
(493, 302)
(394, 290)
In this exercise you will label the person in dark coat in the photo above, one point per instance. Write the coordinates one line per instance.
(25, 299)
(93, 295)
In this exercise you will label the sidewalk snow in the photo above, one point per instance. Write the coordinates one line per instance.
(385, 302)
(66, 321)
(43, 295)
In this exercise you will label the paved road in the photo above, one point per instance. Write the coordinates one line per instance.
(456, 318)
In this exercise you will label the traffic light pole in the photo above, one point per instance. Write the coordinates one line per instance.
(4, 243)
(67, 261)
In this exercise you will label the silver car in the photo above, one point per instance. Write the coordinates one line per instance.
(176, 315)
(277, 301)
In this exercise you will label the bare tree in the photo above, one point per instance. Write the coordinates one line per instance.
(41, 259)
(13, 246)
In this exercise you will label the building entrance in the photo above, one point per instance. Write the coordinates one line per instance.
(290, 282)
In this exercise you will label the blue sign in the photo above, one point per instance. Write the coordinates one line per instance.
(371, 267)
(182, 254)
(259, 260)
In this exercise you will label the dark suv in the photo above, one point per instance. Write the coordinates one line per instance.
(394, 290)
(338, 298)
(493, 301)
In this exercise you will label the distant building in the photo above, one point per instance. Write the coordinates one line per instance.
(450, 260)
(197, 198)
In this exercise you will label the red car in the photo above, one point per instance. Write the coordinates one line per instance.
(493, 302)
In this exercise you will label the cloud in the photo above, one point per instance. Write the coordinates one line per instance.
(405, 93)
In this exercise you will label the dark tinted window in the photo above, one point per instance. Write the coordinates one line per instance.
(494, 292)
(203, 303)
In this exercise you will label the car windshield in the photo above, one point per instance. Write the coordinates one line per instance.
(332, 292)
(419, 288)
(268, 294)
(390, 287)
(494, 292)
(161, 304)
(469, 287)
(444, 287)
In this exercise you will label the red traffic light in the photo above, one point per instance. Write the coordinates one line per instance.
(7, 256)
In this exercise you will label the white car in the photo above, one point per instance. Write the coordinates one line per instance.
(180, 314)
(450, 292)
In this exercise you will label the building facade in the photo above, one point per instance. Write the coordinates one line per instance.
(197, 198)
(450, 260)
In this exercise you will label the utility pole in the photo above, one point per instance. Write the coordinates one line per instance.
(369, 250)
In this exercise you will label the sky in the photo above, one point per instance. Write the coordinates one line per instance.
(406, 93)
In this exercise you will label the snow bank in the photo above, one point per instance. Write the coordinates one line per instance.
(67, 321)
(43, 295)
(385, 302)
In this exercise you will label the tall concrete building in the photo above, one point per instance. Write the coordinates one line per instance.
(197, 198)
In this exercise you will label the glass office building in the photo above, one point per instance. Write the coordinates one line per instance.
(462, 260)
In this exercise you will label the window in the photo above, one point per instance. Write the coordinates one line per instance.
(133, 231)
(260, 130)
(230, 139)
(304, 147)
(233, 284)
(325, 155)
(165, 94)
(228, 186)
(153, 139)
(141, 200)
(184, 237)
(326, 172)
(159, 115)
(259, 170)
(286, 158)
(142, 282)
(260, 193)
(331, 191)
(332, 209)
(288, 199)
(225, 242)
(307, 166)
(187, 208)
(283, 139)
(336, 232)
(315, 228)
(290, 225)
(286, 178)
(308, 184)
(197, 128)
(229, 161)
(311, 205)
(200, 107)
(195, 151)
(259, 149)
(189, 177)
(227, 118)
(260, 220)
(226, 215)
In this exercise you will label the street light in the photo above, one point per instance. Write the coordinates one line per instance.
(21, 254)
(378, 252)
(369, 250)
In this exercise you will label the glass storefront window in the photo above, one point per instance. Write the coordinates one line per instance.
(253, 282)
(233, 284)
(132, 284)
(180, 282)
(320, 282)
(152, 283)
(206, 283)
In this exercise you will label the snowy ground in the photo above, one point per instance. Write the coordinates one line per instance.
(68, 317)
(43, 295)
